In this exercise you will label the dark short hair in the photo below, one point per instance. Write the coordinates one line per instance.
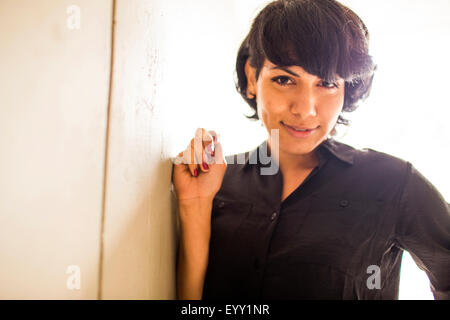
(324, 37)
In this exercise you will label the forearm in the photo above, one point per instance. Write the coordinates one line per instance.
(193, 249)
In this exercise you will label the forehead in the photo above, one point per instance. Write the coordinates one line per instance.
(268, 66)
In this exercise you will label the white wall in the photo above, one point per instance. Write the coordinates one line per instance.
(85, 169)
(139, 228)
(53, 102)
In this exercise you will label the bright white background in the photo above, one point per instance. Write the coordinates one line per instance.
(405, 116)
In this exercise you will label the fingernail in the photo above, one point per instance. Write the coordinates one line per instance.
(195, 172)
(214, 138)
(205, 166)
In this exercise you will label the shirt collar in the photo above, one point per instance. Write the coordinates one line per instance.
(341, 151)
(331, 147)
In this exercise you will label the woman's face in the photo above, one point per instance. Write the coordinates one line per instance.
(292, 97)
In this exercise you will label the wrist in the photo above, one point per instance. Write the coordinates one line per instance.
(196, 212)
(195, 203)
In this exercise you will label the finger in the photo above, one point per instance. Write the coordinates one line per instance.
(189, 159)
(206, 137)
(214, 135)
(218, 154)
(201, 138)
(211, 146)
(208, 142)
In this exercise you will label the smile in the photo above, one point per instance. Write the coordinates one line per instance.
(299, 132)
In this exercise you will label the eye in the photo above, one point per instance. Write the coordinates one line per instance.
(329, 85)
(281, 80)
(284, 82)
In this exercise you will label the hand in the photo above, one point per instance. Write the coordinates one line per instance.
(192, 181)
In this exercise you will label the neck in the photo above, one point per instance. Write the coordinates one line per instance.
(289, 162)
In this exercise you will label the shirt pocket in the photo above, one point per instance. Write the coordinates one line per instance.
(339, 225)
(227, 217)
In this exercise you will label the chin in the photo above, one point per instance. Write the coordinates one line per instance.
(300, 146)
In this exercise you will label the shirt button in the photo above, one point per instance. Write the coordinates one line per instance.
(221, 204)
(273, 216)
(343, 203)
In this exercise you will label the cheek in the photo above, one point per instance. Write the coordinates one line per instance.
(264, 114)
(330, 108)
(270, 111)
(270, 103)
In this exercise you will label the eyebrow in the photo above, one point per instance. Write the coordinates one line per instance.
(286, 70)
(291, 72)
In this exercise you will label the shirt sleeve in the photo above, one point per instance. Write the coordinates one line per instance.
(423, 229)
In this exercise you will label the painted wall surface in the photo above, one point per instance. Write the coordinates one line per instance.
(86, 144)
(85, 189)
(139, 229)
(53, 103)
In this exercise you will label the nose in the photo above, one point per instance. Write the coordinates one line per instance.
(303, 103)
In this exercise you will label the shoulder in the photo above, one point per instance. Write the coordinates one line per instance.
(374, 161)
(388, 176)
(373, 174)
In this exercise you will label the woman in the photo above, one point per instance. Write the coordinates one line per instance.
(320, 219)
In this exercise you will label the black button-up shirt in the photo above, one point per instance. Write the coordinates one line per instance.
(339, 235)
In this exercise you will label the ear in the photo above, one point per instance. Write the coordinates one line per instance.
(250, 72)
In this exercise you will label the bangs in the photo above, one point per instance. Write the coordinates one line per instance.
(317, 39)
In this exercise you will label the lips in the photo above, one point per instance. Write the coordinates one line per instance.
(300, 128)
(299, 134)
